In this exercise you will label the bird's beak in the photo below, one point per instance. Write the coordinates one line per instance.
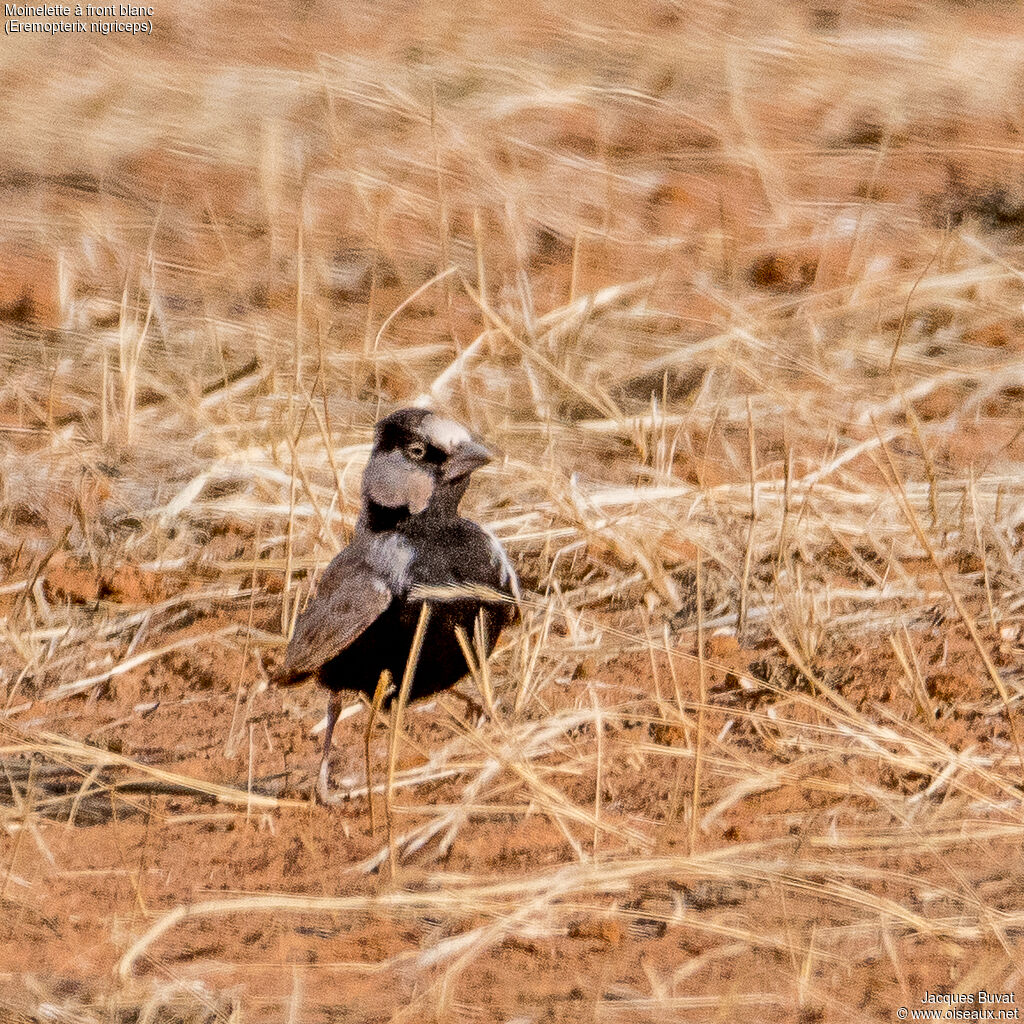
(465, 458)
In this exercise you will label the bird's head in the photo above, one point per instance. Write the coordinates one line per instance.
(420, 461)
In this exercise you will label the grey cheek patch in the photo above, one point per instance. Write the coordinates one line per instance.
(421, 490)
(391, 481)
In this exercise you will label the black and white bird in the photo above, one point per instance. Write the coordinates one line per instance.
(409, 541)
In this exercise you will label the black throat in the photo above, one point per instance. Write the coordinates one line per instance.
(380, 518)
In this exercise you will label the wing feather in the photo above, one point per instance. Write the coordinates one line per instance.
(349, 598)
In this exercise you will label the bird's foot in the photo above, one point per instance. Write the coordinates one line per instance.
(476, 712)
(323, 789)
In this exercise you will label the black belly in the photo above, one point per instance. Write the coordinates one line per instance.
(387, 642)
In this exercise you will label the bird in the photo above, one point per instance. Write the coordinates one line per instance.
(410, 546)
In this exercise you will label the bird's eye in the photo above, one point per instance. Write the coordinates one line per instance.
(416, 451)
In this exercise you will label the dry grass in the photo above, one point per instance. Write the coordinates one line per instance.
(737, 291)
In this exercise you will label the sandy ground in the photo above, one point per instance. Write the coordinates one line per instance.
(793, 873)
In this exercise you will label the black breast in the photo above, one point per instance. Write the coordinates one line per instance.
(456, 552)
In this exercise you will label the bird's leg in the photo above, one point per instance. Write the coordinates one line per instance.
(323, 780)
(476, 672)
(383, 685)
(397, 710)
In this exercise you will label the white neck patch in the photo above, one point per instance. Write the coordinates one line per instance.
(390, 555)
(444, 433)
(500, 558)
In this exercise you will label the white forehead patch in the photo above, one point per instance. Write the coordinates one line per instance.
(446, 434)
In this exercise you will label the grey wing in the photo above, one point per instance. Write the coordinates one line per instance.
(349, 598)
